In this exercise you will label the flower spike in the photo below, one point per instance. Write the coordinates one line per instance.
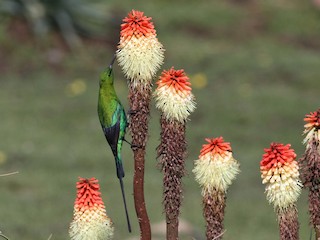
(214, 171)
(310, 166)
(140, 55)
(175, 101)
(280, 173)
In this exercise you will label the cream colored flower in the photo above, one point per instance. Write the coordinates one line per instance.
(216, 168)
(139, 54)
(173, 95)
(280, 173)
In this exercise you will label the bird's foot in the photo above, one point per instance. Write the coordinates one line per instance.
(135, 147)
(132, 111)
(125, 140)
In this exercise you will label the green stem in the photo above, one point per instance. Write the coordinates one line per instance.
(3, 236)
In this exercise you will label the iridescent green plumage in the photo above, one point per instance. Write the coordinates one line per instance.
(113, 122)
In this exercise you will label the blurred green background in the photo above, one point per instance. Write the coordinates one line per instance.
(254, 68)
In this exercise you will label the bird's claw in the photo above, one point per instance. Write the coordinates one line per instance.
(135, 147)
(132, 112)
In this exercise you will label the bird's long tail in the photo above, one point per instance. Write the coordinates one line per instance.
(125, 204)
(120, 174)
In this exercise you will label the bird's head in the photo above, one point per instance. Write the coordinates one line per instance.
(107, 75)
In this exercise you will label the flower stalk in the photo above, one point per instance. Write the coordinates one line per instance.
(310, 166)
(3, 236)
(90, 220)
(280, 173)
(140, 55)
(175, 101)
(214, 171)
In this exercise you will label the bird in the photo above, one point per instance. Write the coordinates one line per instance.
(113, 120)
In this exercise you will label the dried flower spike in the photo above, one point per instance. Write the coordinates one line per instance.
(279, 171)
(90, 220)
(139, 54)
(216, 167)
(173, 95)
(214, 171)
(310, 167)
(175, 101)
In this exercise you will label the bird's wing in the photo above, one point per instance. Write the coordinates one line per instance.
(112, 136)
(116, 116)
(119, 115)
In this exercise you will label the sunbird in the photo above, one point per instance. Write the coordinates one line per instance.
(113, 121)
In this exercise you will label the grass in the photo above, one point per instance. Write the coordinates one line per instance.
(260, 63)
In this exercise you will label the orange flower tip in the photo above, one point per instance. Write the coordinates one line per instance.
(137, 24)
(90, 220)
(312, 126)
(176, 79)
(280, 172)
(313, 119)
(277, 155)
(139, 54)
(173, 95)
(215, 146)
(216, 168)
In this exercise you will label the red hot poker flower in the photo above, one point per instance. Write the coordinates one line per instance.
(173, 95)
(280, 173)
(216, 168)
(139, 54)
(90, 220)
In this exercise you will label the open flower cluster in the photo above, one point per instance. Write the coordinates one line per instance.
(279, 171)
(90, 220)
(173, 95)
(312, 127)
(139, 54)
(216, 168)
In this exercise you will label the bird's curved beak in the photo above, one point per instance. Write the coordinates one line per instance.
(113, 59)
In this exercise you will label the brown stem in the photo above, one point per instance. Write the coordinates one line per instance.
(314, 204)
(288, 223)
(172, 152)
(317, 230)
(139, 100)
(310, 168)
(213, 211)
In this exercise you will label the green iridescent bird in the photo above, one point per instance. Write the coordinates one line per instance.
(113, 122)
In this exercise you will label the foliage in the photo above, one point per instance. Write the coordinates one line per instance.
(72, 18)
